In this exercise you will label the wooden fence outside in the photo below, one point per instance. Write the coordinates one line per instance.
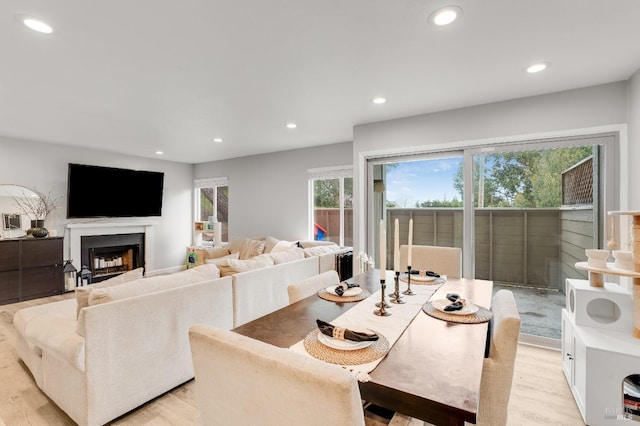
(530, 247)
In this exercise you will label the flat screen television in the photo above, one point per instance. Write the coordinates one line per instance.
(95, 191)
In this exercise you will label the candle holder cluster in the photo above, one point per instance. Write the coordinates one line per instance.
(382, 305)
(396, 296)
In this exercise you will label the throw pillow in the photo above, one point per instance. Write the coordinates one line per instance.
(82, 293)
(270, 243)
(320, 250)
(283, 246)
(217, 252)
(233, 266)
(235, 245)
(219, 260)
(290, 255)
(251, 248)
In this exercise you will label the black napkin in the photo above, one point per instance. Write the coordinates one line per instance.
(343, 286)
(426, 273)
(455, 306)
(355, 336)
(456, 302)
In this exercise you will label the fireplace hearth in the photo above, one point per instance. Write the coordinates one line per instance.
(107, 256)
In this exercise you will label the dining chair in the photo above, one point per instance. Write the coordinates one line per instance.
(310, 286)
(443, 260)
(497, 370)
(243, 381)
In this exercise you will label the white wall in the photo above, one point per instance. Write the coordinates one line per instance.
(45, 166)
(556, 114)
(268, 194)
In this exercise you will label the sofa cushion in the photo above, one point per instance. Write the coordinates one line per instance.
(269, 243)
(24, 316)
(82, 293)
(315, 243)
(152, 284)
(55, 333)
(216, 252)
(247, 247)
(251, 248)
(290, 255)
(219, 260)
(320, 250)
(235, 245)
(284, 246)
(233, 266)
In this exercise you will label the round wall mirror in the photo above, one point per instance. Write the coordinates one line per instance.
(14, 222)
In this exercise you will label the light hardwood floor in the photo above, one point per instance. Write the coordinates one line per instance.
(540, 394)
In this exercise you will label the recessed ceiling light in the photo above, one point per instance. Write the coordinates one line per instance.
(445, 15)
(159, 152)
(217, 140)
(537, 67)
(35, 24)
(291, 125)
(378, 100)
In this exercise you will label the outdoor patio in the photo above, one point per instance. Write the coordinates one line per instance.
(539, 309)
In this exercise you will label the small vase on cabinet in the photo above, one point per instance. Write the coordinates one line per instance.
(37, 229)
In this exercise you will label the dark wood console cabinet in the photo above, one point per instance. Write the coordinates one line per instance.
(30, 268)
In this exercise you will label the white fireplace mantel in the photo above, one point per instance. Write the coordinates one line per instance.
(76, 231)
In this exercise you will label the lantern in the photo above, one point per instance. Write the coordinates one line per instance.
(84, 278)
(69, 275)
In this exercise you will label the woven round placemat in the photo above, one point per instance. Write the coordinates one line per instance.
(483, 315)
(335, 298)
(422, 280)
(376, 350)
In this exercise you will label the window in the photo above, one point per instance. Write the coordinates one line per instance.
(424, 188)
(331, 218)
(529, 211)
(212, 202)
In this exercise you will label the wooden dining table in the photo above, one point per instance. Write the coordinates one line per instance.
(433, 370)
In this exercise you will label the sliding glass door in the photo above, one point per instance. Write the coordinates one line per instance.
(523, 213)
(427, 189)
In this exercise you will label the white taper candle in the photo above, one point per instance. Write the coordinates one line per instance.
(396, 246)
(383, 251)
(410, 241)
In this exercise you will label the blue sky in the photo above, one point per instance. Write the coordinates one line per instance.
(424, 180)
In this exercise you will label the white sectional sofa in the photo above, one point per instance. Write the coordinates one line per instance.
(262, 291)
(120, 344)
(115, 356)
(246, 248)
(263, 268)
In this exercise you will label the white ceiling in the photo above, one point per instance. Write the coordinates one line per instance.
(138, 76)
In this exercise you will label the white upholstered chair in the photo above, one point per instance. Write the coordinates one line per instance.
(443, 260)
(242, 381)
(310, 286)
(497, 371)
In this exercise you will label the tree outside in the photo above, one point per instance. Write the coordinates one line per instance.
(522, 179)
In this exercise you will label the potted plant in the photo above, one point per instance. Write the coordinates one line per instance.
(37, 208)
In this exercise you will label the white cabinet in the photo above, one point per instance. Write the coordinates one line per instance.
(596, 359)
(567, 347)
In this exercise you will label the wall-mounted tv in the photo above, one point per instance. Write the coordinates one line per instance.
(95, 191)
